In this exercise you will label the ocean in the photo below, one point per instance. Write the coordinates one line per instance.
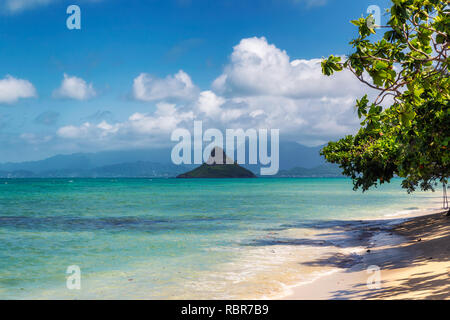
(177, 238)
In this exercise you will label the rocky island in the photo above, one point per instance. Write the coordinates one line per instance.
(218, 166)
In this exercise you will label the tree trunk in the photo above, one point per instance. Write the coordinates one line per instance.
(445, 201)
(444, 197)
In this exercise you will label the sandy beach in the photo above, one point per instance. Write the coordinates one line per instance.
(412, 256)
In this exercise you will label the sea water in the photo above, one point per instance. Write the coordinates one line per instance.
(176, 238)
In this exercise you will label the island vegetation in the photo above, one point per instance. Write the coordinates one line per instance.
(218, 166)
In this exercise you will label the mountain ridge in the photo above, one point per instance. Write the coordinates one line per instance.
(140, 163)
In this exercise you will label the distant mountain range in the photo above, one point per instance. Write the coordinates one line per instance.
(295, 160)
(139, 169)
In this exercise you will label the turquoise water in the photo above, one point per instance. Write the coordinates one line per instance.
(154, 238)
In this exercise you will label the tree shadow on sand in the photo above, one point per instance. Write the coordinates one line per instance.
(337, 233)
(419, 241)
(425, 285)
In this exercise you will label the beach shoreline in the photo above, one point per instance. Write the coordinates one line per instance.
(406, 257)
(156, 246)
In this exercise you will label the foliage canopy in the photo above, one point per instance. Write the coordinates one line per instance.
(408, 68)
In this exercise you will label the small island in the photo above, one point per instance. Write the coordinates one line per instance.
(218, 166)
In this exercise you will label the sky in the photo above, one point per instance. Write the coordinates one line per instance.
(137, 70)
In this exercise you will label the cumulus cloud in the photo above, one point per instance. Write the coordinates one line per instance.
(74, 132)
(12, 89)
(311, 121)
(165, 119)
(210, 106)
(209, 103)
(161, 123)
(177, 87)
(259, 68)
(74, 88)
(260, 87)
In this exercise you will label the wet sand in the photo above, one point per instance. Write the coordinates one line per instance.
(412, 256)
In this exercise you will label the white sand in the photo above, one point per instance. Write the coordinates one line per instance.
(414, 262)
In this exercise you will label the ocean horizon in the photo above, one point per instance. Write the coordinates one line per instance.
(145, 238)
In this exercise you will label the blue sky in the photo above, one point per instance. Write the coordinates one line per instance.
(138, 69)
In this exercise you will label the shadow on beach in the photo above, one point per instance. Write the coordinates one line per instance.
(410, 245)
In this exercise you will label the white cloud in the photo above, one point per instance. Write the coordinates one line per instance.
(176, 87)
(209, 106)
(209, 103)
(74, 88)
(164, 120)
(14, 6)
(139, 127)
(74, 132)
(13, 89)
(259, 68)
(261, 87)
(302, 120)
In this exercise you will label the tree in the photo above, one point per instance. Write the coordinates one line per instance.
(407, 66)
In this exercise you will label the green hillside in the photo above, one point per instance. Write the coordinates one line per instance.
(218, 171)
